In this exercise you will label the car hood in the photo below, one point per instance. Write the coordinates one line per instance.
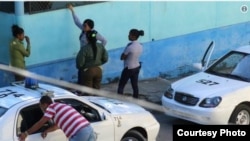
(207, 85)
(115, 106)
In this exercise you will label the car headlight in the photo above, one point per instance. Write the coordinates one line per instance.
(169, 92)
(210, 102)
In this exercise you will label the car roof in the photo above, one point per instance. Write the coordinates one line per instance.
(245, 49)
(17, 92)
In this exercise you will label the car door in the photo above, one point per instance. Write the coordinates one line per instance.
(27, 117)
(104, 129)
(57, 135)
(205, 61)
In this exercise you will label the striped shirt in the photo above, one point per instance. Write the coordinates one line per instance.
(66, 118)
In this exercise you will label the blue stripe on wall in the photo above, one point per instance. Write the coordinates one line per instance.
(168, 58)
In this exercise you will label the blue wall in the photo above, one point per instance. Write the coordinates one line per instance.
(176, 35)
(168, 58)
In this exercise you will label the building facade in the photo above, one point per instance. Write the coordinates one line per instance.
(176, 34)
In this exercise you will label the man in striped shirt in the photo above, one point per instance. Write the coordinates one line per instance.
(65, 117)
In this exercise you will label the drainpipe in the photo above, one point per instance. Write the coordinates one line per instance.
(19, 12)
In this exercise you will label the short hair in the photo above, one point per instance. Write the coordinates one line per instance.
(89, 22)
(46, 100)
(16, 30)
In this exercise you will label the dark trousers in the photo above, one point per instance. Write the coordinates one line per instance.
(91, 77)
(133, 75)
(19, 77)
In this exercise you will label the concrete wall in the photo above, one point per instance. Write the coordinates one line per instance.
(176, 34)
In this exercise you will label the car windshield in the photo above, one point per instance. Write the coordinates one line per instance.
(234, 65)
(2, 110)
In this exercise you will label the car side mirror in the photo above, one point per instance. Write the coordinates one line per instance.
(198, 66)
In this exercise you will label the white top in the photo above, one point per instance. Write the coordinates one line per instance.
(133, 52)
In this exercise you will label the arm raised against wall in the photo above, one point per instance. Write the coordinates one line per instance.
(75, 18)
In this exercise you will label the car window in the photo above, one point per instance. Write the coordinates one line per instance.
(243, 67)
(233, 65)
(87, 111)
(206, 58)
(28, 117)
(31, 114)
(227, 63)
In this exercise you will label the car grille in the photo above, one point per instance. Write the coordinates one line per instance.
(186, 99)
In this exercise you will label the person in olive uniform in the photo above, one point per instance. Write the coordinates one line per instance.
(18, 51)
(89, 61)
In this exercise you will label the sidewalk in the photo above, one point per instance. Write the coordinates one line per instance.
(150, 89)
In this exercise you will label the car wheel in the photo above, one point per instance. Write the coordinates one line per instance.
(133, 136)
(241, 115)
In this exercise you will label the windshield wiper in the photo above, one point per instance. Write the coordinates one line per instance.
(233, 76)
(238, 77)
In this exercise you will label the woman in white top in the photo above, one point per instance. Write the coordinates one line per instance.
(132, 65)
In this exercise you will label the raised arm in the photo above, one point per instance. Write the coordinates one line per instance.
(75, 18)
(24, 51)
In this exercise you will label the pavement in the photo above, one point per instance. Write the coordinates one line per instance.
(150, 90)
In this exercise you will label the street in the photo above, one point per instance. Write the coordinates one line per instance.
(151, 90)
(166, 124)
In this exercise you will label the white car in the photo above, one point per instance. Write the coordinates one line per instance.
(219, 94)
(112, 120)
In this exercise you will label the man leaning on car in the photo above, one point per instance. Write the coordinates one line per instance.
(76, 128)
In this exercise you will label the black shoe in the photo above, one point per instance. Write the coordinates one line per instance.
(135, 96)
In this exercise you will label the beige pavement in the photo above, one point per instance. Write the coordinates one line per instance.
(150, 89)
